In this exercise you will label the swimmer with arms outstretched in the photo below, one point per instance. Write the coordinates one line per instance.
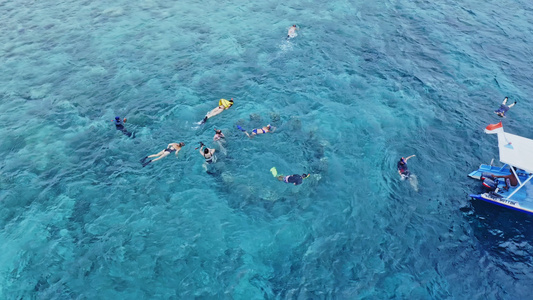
(504, 108)
(172, 147)
(405, 174)
(223, 104)
(402, 166)
(292, 32)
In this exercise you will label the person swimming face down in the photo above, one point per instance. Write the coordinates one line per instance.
(292, 32)
(217, 110)
(229, 105)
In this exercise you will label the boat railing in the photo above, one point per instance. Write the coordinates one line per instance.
(519, 187)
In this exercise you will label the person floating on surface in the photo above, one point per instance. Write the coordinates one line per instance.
(292, 32)
(223, 104)
(295, 179)
(172, 147)
(208, 154)
(256, 131)
(504, 108)
(218, 135)
(119, 125)
(402, 166)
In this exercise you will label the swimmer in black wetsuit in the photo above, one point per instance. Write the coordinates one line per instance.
(294, 179)
(119, 125)
(402, 166)
(172, 147)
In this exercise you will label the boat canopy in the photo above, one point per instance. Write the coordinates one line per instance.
(515, 150)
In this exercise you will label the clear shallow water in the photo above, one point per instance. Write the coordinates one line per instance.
(361, 85)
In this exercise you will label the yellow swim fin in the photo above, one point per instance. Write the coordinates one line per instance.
(274, 171)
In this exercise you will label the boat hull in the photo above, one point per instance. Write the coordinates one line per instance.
(487, 197)
(515, 198)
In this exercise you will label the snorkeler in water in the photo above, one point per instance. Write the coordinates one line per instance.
(402, 166)
(256, 131)
(504, 108)
(172, 147)
(218, 135)
(295, 179)
(119, 125)
(292, 32)
(220, 140)
(208, 154)
(223, 104)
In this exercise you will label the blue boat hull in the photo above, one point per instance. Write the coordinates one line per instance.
(520, 201)
(502, 202)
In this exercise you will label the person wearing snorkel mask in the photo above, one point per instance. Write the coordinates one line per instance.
(119, 125)
(218, 135)
(171, 148)
(402, 166)
(256, 131)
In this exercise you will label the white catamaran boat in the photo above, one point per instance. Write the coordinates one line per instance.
(516, 153)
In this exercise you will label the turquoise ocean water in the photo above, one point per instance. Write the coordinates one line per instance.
(362, 84)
